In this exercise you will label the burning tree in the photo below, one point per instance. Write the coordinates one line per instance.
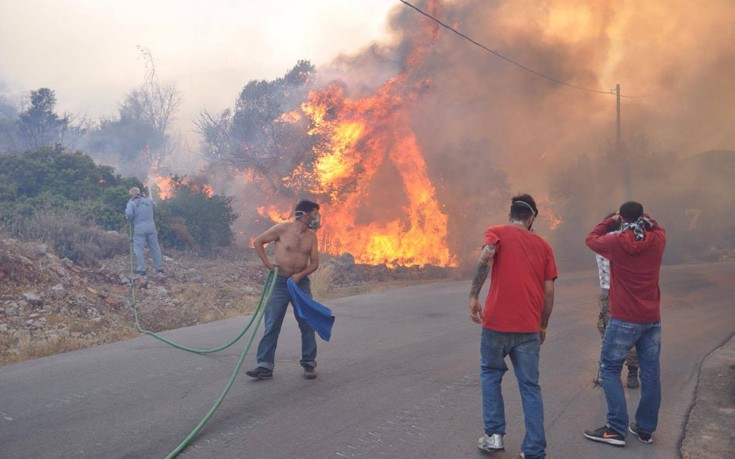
(357, 155)
(258, 137)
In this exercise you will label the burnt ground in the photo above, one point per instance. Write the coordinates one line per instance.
(50, 305)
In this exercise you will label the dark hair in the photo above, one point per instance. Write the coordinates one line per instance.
(615, 225)
(523, 206)
(306, 206)
(631, 211)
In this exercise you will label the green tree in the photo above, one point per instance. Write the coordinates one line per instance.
(8, 125)
(39, 125)
(51, 178)
(193, 219)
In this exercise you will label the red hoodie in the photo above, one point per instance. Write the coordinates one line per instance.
(634, 270)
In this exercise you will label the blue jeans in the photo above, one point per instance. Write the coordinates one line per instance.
(620, 337)
(275, 311)
(150, 237)
(523, 349)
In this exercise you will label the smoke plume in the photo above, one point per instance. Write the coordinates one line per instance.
(488, 128)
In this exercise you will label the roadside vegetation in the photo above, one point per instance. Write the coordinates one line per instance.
(75, 206)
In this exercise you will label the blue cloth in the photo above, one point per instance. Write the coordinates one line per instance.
(315, 314)
(523, 350)
(620, 337)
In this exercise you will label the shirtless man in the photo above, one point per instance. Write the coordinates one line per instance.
(297, 256)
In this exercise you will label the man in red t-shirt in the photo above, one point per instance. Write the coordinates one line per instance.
(635, 255)
(514, 321)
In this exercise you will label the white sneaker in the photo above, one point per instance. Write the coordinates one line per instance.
(491, 443)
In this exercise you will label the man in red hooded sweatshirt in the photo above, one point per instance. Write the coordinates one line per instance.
(635, 255)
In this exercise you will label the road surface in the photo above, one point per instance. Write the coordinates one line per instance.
(399, 378)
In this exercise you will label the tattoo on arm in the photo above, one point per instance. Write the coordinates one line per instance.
(483, 268)
(479, 279)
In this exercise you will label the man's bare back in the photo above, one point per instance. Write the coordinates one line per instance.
(296, 253)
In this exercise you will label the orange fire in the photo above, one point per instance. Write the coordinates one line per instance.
(382, 205)
(546, 211)
(274, 213)
(162, 186)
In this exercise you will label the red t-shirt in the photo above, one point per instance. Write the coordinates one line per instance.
(521, 265)
(634, 271)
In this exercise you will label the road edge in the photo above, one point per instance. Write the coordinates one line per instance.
(710, 422)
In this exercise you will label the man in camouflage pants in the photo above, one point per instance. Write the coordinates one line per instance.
(603, 268)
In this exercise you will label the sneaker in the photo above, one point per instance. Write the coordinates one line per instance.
(309, 373)
(139, 272)
(645, 437)
(491, 443)
(605, 435)
(260, 373)
(632, 382)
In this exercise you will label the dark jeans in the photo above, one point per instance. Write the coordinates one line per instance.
(275, 311)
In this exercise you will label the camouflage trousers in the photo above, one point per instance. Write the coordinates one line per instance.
(632, 359)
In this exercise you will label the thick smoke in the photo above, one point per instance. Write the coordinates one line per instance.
(489, 129)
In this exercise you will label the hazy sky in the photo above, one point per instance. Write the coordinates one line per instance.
(86, 50)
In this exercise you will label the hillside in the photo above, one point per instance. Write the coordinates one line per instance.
(50, 305)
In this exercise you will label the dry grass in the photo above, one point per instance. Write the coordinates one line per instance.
(30, 349)
(197, 288)
(322, 281)
(80, 334)
(70, 236)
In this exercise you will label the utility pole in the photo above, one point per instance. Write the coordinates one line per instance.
(621, 154)
(617, 96)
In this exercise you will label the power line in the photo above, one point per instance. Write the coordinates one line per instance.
(542, 75)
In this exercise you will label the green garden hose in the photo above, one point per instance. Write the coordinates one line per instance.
(257, 317)
(168, 341)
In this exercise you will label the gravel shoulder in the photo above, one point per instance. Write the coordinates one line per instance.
(711, 420)
(50, 305)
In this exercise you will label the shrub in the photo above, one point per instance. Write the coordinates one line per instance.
(71, 236)
(50, 178)
(66, 200)
(206, 218)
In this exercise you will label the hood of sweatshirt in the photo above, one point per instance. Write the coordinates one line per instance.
(633, 247)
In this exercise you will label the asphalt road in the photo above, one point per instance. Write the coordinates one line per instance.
(400, 378)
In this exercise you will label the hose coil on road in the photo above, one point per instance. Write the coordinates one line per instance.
(256, 318)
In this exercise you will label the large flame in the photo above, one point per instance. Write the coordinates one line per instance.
(382, 205)
(358, 138)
